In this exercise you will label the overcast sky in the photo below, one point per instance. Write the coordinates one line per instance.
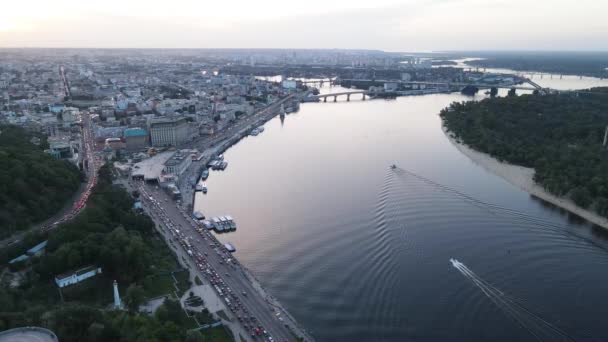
(392, 25)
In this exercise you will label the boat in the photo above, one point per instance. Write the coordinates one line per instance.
(198, 215)
(217, 225)
(225, 223)
(230, 247)
(199, 187)
(221, 165)
(231, 222)
(207, 224)
(204, 188)
(254, 132)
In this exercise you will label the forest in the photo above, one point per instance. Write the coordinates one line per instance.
(561, 136)
(109, 234)
(592, 64)
(33, 185)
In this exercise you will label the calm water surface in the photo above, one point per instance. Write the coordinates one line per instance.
(357, 251)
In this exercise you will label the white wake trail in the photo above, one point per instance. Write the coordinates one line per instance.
(538, 327)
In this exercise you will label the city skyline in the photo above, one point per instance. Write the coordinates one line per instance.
(385, 25)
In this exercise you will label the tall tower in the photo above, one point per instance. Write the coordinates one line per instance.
(117, 304)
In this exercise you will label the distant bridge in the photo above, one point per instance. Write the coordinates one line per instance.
(329, 81)
(364, 94)
(535, 86)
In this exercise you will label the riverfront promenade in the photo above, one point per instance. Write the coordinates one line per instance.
(249, 306)
(254, 315)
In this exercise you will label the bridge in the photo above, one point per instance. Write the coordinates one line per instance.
(534, 85)
(364, 94)
(320, 82)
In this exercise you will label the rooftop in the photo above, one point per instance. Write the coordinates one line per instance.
(26, 334)
(135, 132)
(177, 158)
(151, 168)
(77, 272)
(167, 121)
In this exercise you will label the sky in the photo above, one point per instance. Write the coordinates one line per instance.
(391, 25)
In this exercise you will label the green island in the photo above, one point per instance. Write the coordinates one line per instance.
(33, 185)
(591, 64)
(561, 136)
(110, 234)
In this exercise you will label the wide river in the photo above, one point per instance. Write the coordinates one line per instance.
(435, 250)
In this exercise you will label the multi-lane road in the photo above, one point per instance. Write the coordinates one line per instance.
(258, 313)
(90, 164)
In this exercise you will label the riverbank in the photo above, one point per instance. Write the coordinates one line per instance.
(226, 139)
(523, 178)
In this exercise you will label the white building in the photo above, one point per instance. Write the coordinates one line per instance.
(169, 132)
(77, 276)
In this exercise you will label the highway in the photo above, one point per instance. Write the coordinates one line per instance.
(256, 310)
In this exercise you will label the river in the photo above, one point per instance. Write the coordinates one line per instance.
(435, 250)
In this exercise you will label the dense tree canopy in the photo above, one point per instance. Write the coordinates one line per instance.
(559, 135)
(110, 234)
(567, 63)
(33, 185)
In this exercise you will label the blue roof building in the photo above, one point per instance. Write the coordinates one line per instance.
(22, 257)
(56, 108)
(135, 132)
(37, 249)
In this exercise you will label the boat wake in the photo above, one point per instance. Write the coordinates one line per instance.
(538, 327)
(514, 216)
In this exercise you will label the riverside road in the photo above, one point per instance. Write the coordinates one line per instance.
(248, 303)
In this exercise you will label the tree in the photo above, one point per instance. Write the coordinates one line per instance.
(581, 197)
(175, 313)
(134, 297)
(559, 135)
(194, 336)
